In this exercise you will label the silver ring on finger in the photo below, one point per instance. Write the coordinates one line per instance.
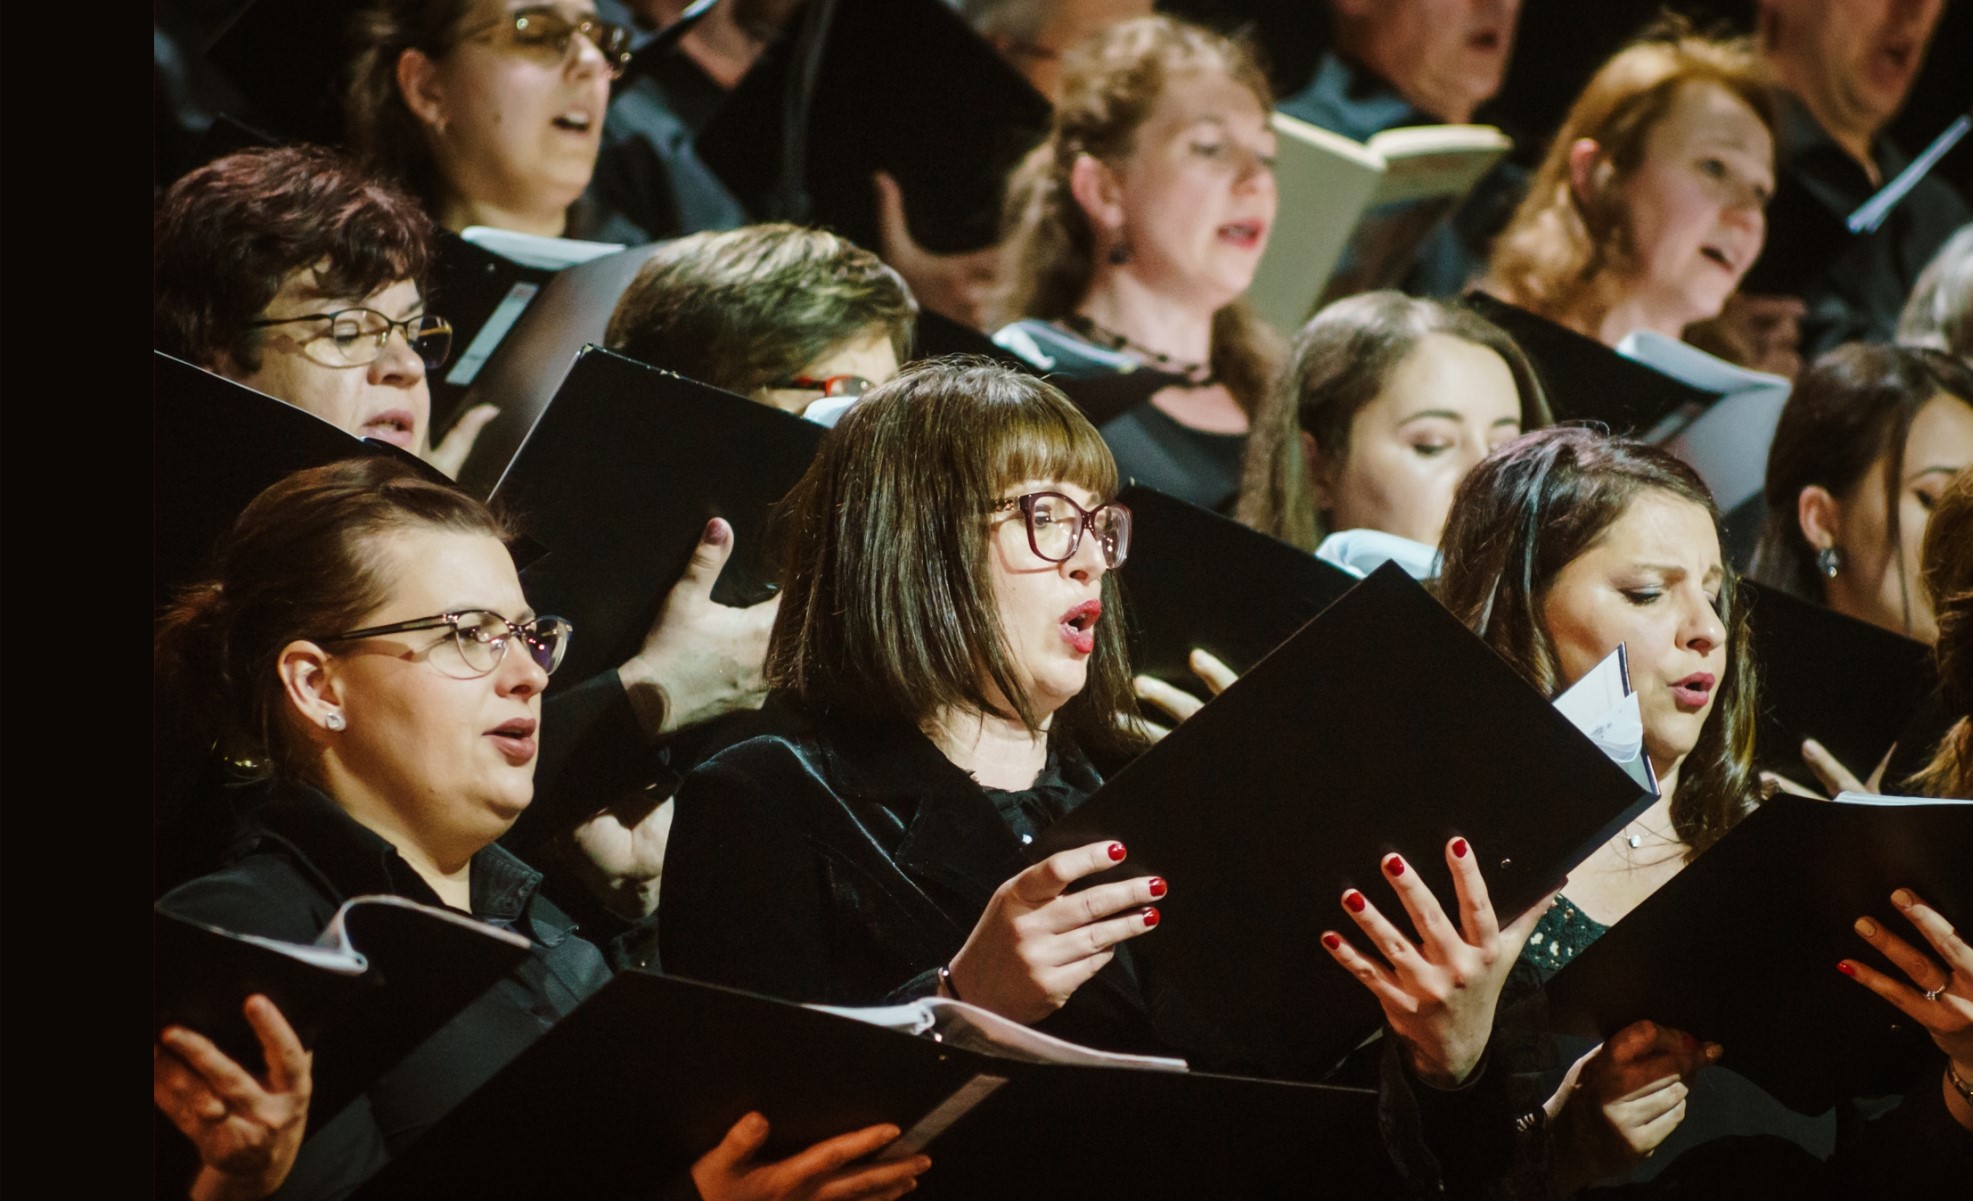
(1933, 994)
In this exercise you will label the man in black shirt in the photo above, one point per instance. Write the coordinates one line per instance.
(1395, 63)
(1846, 68)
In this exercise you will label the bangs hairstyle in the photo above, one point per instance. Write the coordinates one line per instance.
(1111, 84)
(887, 602)
(228, 234)
(1533, 507)
(301, 562)
(741, 308)
(1562, 254)
(1850, 410)
(1947, 556)
(1341, 361)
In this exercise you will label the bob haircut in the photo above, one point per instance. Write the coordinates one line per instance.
(741, 308)
(1111, 84)
(887, 604)
(301, 562)
(1852, 408)
(1947, 556)
(1562, 255)
(1529, 510)
(228, 234)
(1340, 363)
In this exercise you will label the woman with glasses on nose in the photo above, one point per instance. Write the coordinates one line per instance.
(490, 110)
(949, 633)
(365, 643)
(1131, 235)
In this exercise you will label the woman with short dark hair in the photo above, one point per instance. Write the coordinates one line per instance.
(776, 312)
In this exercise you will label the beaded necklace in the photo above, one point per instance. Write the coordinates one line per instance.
(1191, 375)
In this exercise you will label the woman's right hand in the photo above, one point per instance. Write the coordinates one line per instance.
(1034, 946)
(729, 1171)
(247, 1131)
(1621, 1100)
(1439, 993)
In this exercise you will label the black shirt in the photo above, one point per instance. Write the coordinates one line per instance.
(300, 858)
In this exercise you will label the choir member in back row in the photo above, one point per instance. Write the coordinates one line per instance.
(1131, 235)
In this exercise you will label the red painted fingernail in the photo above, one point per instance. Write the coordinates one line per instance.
(1332, 941)
(1116, 850)
(1354, 900)
(1394, 865)
(1459, 848)
(1151, 916)
(1845, 968)
(1157, 886)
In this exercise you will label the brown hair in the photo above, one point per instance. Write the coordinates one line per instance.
(228, 234)
(1852, 408)
(1947, 558)
(887, 605)
(1340, 362)
(382, 133)
(300, 562)
(1533, 507)
(741, 308)
(1111, 83)
(1561, 256)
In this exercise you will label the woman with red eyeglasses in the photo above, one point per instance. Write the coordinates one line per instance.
(949, 636)
(490, 110)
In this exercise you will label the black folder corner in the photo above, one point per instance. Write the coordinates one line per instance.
(1850, 685)
(648, 1074)
(1741, 947)
(620, 475)
(218, 444)
(903, 86)
(1383, 725)
(1197, 579)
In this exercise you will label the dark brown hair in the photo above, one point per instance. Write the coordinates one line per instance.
(1533, 507)
(1341, 361)
(1852, 408)
(887, 604)
(1947, 558)
(1561, 254)
(1111, 83)
(380, 129)
(229, 233)
(301, 562)
(741, 308)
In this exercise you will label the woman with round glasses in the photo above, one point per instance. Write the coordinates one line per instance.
(490, 110)
(949, 634)
(365, 641)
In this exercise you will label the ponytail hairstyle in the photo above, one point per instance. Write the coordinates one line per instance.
(1947, 570)
(1111, 84)
(1533, 507)
(301, 562)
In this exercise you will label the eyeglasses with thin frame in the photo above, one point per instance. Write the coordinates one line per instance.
(481, 636)
(541, 31)
(830, 385)
(1056, 524)
(357, 336)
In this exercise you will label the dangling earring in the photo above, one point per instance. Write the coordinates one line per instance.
(1828, 562)
(1119, 252)
(334, 721)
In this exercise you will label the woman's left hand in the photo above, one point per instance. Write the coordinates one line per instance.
(1939, 996)
(1438, 994)
(450, 454)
